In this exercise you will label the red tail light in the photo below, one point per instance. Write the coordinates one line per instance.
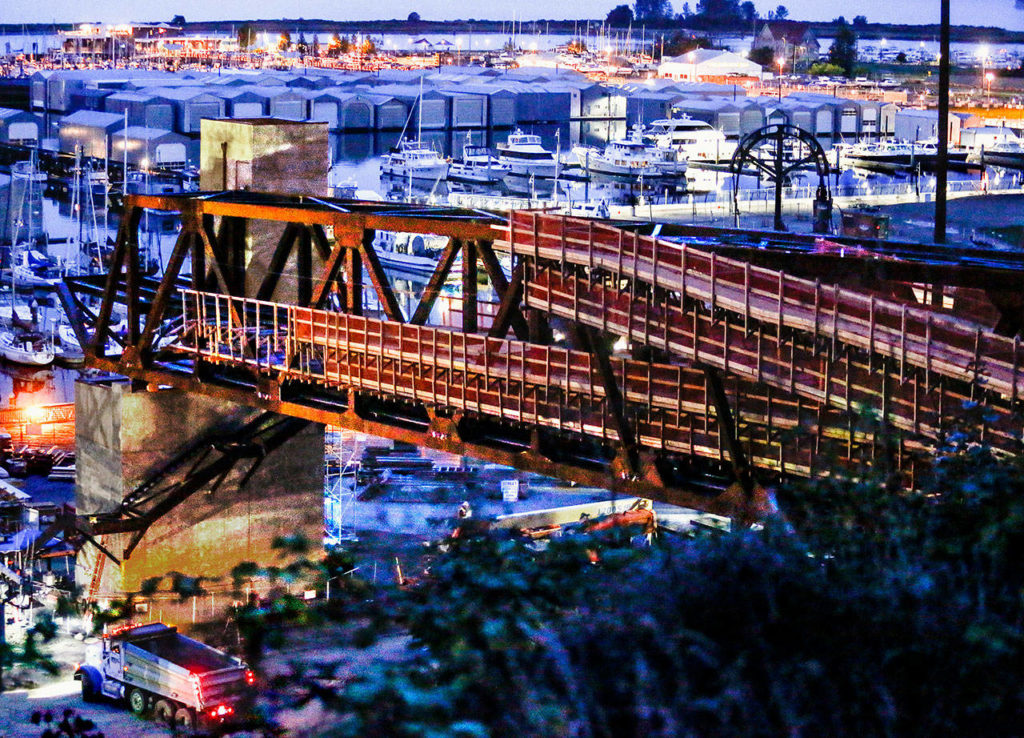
(220, 711)
(197, 687)
(249, 676)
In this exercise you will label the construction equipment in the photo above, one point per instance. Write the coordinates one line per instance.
(154, 667)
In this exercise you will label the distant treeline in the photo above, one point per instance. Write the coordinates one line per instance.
(928, 32)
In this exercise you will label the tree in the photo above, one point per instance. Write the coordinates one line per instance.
(652, 10)
(414, 17)
(178, 20)
(718, 14)
(823, 69)
(763, 55)
(246, 36)
(781, 12)
(620, 15)
(284, 41)
(860, 21)
(843, 52)
(683, 43)
(301, 46)
(749, 11)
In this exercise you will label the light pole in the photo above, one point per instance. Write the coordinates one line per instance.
(989, 76)
(942, 164)
(780, 62)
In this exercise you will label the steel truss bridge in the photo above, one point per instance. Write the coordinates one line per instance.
(690, 365)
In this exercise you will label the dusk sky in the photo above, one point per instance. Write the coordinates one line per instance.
(1002, 13)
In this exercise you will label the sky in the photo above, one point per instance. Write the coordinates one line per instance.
(1002, 13)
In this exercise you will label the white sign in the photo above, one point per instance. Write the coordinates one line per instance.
(510, 490)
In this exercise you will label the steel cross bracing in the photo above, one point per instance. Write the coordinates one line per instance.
(731, 367)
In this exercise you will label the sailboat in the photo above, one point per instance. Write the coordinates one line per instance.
(30, 349)
(413, 159)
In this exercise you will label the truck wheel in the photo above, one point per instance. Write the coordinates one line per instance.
(89, 693)
(137, 701)
(164, 712)
(184, 719)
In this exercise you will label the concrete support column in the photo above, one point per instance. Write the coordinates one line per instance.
(125, 437)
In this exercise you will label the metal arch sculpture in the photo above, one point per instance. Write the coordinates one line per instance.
(777, 166)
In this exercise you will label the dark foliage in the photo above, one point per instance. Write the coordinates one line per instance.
(619, 16)
(872, 612)
(843, 52)
(681, 43)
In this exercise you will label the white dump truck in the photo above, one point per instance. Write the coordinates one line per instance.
(155, 668)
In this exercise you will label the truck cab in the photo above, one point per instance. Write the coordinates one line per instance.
(155, 668)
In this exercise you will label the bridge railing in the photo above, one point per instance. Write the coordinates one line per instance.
(940, 344)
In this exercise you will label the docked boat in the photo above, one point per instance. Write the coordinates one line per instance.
(413, 160)
(30, 349)
(631, 157)
(1008, 154)
(32, 268)
(524, 156)
(410, 254)
(695, 140)
(478, 167)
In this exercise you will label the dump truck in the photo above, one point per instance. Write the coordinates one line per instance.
(154, 668)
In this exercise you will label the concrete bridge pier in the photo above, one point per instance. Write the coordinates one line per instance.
(235, 491)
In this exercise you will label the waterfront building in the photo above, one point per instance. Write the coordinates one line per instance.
(149, 147)
(19, 127)
(791, 41)
(90, 130)
(700, 64)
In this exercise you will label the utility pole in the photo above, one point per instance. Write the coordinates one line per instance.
(942, 165)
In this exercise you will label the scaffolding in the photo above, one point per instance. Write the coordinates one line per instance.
(340, 467)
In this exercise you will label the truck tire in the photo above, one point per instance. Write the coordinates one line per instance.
(163, 712)
(89, 691)
(137, 701)
(184, 719)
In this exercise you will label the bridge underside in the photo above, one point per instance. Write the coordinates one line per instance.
(695, 366)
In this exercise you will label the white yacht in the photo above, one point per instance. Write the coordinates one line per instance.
(524, 156)
(631, 157)
(1004, 154)
(412, 254)
(29, 349)
(413, 160)
(693, 139)
(478, 166)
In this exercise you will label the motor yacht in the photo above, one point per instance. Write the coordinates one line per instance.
(478, 166)
(525, 157)
(631, 157)
(695, 140)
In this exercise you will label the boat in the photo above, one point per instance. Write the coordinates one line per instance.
(631, 157)
(30, 349)
(525, 157)
(32, 268)
(411, 254)
(478, 166)
(1009, 154)
(68, 350)
(695, 140)
(413, 160)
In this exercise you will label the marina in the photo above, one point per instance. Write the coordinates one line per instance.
(393, 366)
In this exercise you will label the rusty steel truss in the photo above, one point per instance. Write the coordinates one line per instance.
(654, 360)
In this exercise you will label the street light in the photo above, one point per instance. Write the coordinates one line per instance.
(989, 76)
(780, 62)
